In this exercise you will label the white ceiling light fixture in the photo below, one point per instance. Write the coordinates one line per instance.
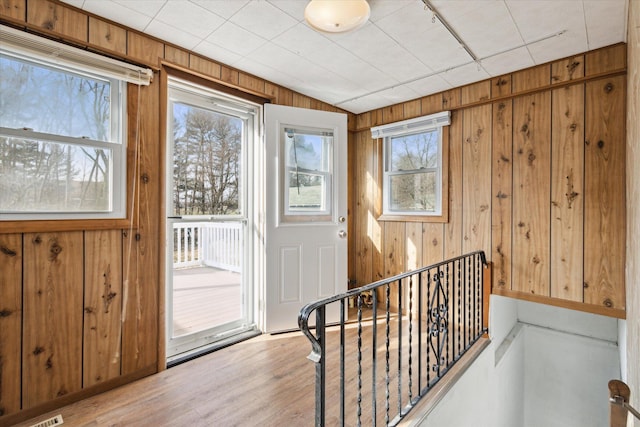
(337, 16)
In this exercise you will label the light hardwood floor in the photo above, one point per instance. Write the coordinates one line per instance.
(264, 381)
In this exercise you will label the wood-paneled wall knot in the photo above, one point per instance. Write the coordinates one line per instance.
(8, 252)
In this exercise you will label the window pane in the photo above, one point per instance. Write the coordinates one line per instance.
(41, 176)
(306, 192)
(414, 152)
(308, 169)
(413, 192)
(308, 151)
(207, 155)
(53, 101)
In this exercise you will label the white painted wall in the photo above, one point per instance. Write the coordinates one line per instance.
(546, 366)
(566, 379)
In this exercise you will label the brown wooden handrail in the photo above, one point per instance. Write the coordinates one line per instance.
(619, 394)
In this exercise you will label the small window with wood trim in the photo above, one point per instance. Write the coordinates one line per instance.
(414, 169)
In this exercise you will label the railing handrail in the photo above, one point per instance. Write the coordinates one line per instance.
(619, 394)
(450, 316)
(305, 312)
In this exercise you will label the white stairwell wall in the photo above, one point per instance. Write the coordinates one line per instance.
(545, 367)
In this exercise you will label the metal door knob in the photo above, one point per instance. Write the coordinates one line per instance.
(342, 234)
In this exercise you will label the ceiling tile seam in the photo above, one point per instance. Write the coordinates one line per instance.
(297, 18)
(225, 20)
(397, 42)
(403, 48)
(584, 22)
(435, 73)
(519, 32)
(153, 18)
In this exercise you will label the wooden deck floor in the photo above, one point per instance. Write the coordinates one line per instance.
(204, 297)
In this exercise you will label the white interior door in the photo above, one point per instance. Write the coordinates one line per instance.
(306, 209)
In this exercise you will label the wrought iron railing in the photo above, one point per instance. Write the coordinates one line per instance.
(391, 341)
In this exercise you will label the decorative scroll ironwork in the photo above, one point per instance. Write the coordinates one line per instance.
(428, 319)
(438, 314)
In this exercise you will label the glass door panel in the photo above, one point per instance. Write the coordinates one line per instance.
(208, 295)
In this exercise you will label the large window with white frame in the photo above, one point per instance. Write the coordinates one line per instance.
(414, 166)
(62, 136)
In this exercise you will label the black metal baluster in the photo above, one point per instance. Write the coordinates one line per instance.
(387, 346)
(468, 290)
(447, 287)
(428, 320)
(374, 359)
(400, 347)
(320, 367)
(342, 352)
(359, 399)
(459, 319)
(410, 336)
(420, 333)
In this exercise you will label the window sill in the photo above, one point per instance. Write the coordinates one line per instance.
(7, 227)
(414, 218)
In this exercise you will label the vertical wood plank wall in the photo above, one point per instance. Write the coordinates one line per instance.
(536, 180)
(80, 307)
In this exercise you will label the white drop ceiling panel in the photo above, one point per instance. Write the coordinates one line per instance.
(401, 54)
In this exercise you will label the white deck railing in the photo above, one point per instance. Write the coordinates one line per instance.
(211, 244)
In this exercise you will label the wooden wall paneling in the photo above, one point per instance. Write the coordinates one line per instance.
(502, 193)
(102, 306)
(605, 219)
(604, 60)
(451, 99)
(56, 17)
(501, 86)
(363, 207)
(52, 316)
(250, 82)
(567, 69)
(14, 9)
(377, 227)
(393, 113)
(413, 246)
(363, 121)
(285, 96)
(176, 55)
(412, 109)
(453, 228)
(432, 243)
(567, 192)
(144, 49)
(204, 66)
(476, 92)
(531, 78)
(476, 178)
(271, 90)
(394, 250)
(10, 322)
(431, 104)
(107, 36)
(300, 101)
(141, 245)
(531, 193)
